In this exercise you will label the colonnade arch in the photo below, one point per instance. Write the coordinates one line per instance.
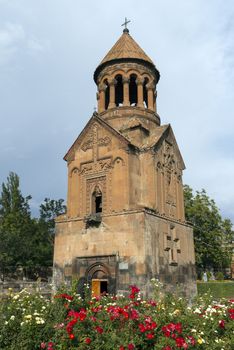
(121, 89)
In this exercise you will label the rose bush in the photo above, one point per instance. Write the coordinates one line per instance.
(115, 322)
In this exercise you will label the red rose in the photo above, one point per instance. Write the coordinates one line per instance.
(88, 340)
(150, 335)
(231, 313)
(131, 346)
(71, 336)
(142, 328)
(99, 329)
(222, 324)
(181, 343)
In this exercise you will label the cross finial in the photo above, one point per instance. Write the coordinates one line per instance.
(94, 111)
(125, 25)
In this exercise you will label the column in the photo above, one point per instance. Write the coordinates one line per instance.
(112, 84)
(126, 101)
(150, 89)
(101, 97)
(140, 98)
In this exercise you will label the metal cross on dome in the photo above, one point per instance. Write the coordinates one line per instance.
(125, 23)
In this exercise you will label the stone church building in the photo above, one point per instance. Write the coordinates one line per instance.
(125, 220)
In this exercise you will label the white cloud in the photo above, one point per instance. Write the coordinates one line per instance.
(15, 40)
(11, 37)
(191, 43)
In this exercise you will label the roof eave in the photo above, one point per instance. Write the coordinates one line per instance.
(123, 60)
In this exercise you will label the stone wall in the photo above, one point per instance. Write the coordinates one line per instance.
(44, 288)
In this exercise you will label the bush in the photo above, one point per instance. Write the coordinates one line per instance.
(130, 322)
(219, 276)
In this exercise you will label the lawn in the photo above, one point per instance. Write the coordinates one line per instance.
(217, 289)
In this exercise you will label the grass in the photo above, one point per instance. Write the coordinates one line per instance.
(220, 289)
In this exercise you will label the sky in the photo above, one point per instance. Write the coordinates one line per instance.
(49, 50)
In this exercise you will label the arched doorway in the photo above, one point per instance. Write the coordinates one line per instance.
(98, 276)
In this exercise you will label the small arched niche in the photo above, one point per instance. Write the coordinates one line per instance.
(97, 200)
(107, 94)
(119, 90)
(133, 90)
(145, 93)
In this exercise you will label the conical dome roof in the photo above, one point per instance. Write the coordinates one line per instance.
(124, 49)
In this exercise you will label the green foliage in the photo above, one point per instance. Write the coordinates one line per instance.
(29, 322)
(49, 209)
(219, 276)
(16, 226)
(26, 242)
(212, 234)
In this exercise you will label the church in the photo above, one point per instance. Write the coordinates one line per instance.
(125, 221)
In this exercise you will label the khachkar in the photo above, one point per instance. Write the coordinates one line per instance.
(125, 220)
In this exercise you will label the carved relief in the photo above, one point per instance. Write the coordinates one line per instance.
(74, 171)
(172, 246)
(99, 166)
(170, 169)
(88, 144)
(118, 160)
(94, 142)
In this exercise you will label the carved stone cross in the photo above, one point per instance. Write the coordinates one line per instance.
(172, 245)
(94, 142)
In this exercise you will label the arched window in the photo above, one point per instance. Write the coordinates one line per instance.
(96, 200)
(107, 94)
(119, 90)
(145, 94)
(133, 90)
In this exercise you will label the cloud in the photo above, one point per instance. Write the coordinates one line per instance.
(14, 40)
(11, 37)
(46, 103)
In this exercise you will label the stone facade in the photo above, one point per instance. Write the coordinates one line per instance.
(125, 219)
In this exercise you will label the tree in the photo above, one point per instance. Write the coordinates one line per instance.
(16, 226)
(25, 242)
(49, 210)
(212, 234)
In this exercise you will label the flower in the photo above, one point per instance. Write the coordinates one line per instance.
(134, 291)
(231, 314)
(181, 343)
(43, 345)
(64, 296)
(150, 336)
(87, 340)
(71, 336)
(222, 324)
(191, 340)
(99, 329)
(200, 341)
(28, 317)
(134, 314)
(131, 346)
(171, 328)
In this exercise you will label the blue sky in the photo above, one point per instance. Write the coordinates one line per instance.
(49, 50)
